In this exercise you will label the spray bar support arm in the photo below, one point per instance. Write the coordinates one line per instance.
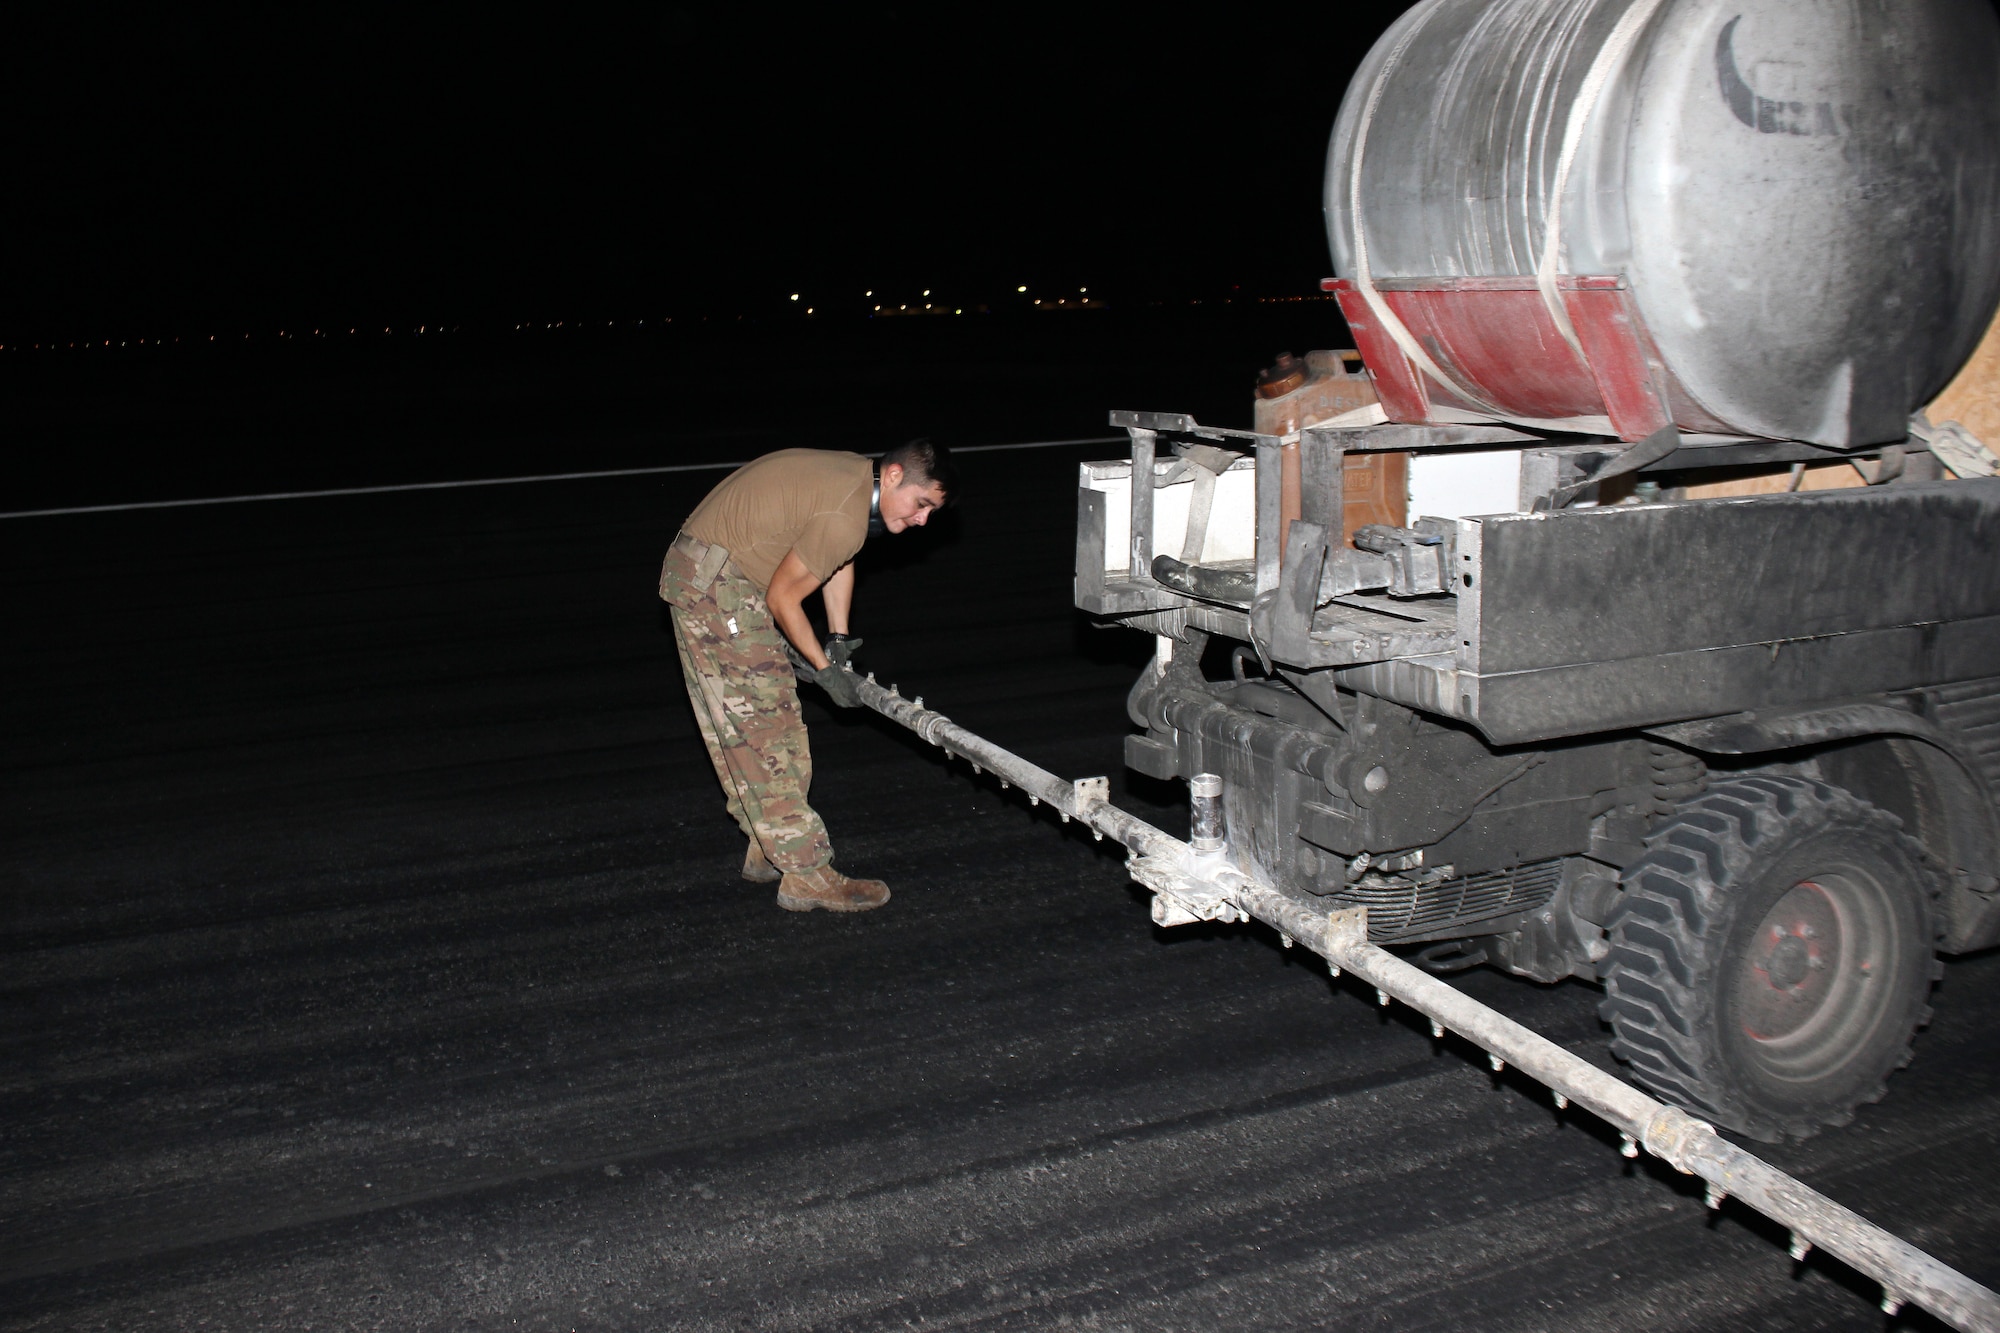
(1199, 882)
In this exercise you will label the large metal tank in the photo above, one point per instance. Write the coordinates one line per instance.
(1768, 217)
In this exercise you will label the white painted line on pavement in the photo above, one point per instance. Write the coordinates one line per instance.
(486, 481)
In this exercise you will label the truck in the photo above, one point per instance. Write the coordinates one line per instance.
(1615, 614)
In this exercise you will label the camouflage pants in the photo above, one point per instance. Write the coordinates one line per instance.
(746, 702)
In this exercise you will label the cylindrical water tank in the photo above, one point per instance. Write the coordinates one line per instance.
(1777, 218)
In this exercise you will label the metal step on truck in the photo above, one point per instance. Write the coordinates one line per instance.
(1618, 621)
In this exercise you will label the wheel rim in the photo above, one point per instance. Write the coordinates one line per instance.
(1810, 983)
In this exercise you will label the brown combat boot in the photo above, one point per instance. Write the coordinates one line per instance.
(756, 868)
(823, 886)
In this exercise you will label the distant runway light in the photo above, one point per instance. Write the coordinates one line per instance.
(795, 296)
(927, 291)
(1020, 289)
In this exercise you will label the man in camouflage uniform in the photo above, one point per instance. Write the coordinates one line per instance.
(769, 535)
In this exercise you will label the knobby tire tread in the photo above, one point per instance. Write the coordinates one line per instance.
(1669, 930)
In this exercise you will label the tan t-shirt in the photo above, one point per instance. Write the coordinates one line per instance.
(813, 501)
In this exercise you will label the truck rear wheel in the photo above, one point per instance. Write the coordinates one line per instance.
(1771, 955)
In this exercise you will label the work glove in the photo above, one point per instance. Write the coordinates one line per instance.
(841, 685)
(840, 648)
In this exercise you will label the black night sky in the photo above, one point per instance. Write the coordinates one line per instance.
(172, 172)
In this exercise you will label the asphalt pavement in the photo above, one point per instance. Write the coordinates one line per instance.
(375, 959)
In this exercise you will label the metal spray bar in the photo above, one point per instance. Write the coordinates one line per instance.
(1197, 882)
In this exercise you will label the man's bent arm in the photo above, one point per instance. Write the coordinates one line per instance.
(839, 595)
(790, 586)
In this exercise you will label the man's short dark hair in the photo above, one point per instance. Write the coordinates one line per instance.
(925, 462)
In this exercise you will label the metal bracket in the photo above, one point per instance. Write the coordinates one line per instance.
(1187, 889)
(1346, 928)
(1086, 793)
(1179, 423)
(1652, 449)
(1205, 463)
